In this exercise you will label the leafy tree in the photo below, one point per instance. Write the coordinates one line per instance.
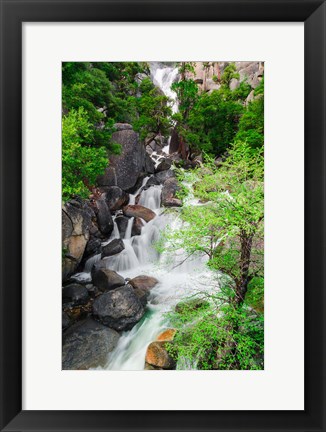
(229, 72)
(228, 229)
(213, 122)
(153, 111)
(81, 163)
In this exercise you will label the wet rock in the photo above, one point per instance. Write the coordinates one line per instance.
(105, 279)
(136, 227)
(65, 321)
(142, 286)
(149, 164)
(143, 281)
(125, 168)
(114, 247)
(158, 356)
(166, 335)
(139, 211)
(120, 309)
(93, 247)
(152, 181)
(93, 291)
(164, 175)
(76, 223)
(87, 344)
(75, 294)
(168, 196)
(115, 197)
(104, 218)
(122, 223)
(164, 165)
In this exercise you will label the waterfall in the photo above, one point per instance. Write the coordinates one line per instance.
(151, 198)
(163, 77)
(175, 283)
(129, 228)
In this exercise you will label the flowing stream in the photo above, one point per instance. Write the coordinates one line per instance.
(178, 278)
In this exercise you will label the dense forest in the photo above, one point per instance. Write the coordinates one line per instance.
(163, 215)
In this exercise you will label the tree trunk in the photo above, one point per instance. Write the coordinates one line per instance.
(242, 283)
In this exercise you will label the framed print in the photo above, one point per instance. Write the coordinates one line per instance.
(161, 268)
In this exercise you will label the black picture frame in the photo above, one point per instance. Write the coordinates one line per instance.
(13, 14)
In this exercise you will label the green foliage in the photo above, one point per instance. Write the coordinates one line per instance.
(153, 111)
(251, 125)
(228, 228)
(229, 73)
(255, 295)
(213, 122)
(81, 163)
(216, 335)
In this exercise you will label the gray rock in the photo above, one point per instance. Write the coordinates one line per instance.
(122, 126)
(164, 175)
(234, 84)
(93, 247)
(136, 227)
(149, 165)
(120, 309)
(104, 218)
(65, 321)
(122, 222)
(115, 197)
(169, 190)
(164, 165)
(114, 247)
(87, 344)
(125, 168)
(152, 181)
(105, 279)
(75, 294)
(76, 223)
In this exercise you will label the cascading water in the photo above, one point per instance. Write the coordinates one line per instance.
(178, 277)
(176, 282)
(164, 76)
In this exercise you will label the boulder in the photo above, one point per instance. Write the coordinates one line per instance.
(122, 223)
(122, 126)
(139, 211)
(158, 356)
(164, 165)
(146, 282)
(164, 175)
(65, 321)
(149, 165)
(87, 344)
(115, 197)
(152, 181)
(104, 218)
(174, 141)
(136, 227)
(93, 247)
(105, 279)
(167, 335)
(142, 286)
(75, 294)
(125, 168)
(170, 188)
(76, 223)
(120, 309)
(114, 247)
(234, 84)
